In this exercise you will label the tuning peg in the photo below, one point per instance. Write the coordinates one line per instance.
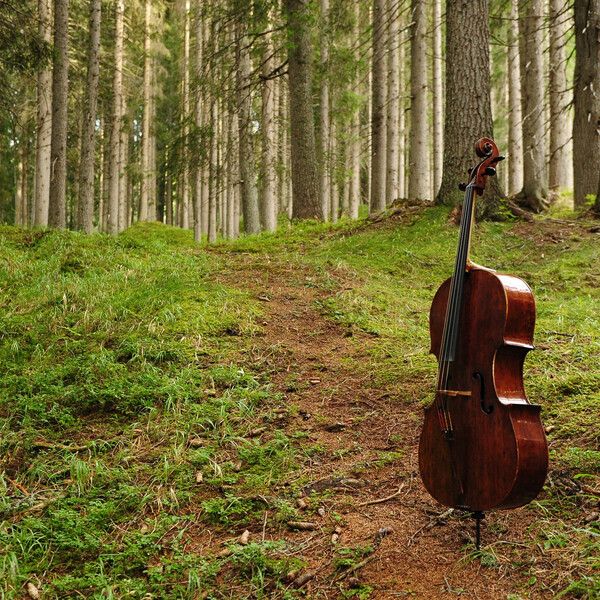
(462, 187)
(501, 158)
(490, 171)
(470, 170)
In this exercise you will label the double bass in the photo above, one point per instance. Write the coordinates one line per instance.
(483, 445)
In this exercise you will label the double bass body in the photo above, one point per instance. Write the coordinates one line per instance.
(496, 456)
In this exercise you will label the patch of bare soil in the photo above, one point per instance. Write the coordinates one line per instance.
(419, 549)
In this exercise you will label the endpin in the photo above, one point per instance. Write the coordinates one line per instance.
(479, 516)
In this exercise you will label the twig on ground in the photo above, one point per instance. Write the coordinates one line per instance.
(432, 522)
(57, 446)
(381, 500)
(18, 486)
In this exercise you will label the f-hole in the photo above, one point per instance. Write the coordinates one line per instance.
(486, 408)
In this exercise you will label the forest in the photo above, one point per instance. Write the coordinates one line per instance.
(224, 226)
(228, 117)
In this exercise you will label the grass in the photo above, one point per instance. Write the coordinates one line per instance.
(128, 370)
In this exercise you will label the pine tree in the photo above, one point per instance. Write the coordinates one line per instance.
(246, 140)
(44, 124)
(57, 212)
(85, 216)
(115, 167)
(418, 184)
(586, 101)
(305, 180)
(378, 100)
(468, 114)
(535, 179)
(559, 171)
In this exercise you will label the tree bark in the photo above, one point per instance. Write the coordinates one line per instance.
(324, 116)
(198, 119)
(57, 213)
(354, 192)
(438, 94)
(268, 201)
(213, 172)
(44, 124)
(418, 184)
(378, 100)
(246, 141)
(124, 207)
(559, 169)
(115, 137)
(234, 177)
(468, 103)
(586, 101)
(515, 121)
(535, 180)
(305, 174)
(185, 92)
(19, 180)
(85, 212)
(144, 214)
(402, 120)
(393, 101)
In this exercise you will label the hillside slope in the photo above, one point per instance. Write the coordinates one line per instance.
(159, 400)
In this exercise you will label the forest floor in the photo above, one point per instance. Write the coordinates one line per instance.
(400, 542)
(242, 421)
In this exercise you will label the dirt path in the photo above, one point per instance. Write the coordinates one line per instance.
(367, 472)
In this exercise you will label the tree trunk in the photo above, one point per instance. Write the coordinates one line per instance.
(146, 118)
(101, 177)
(106, 150)
(334, 193)
(268, 201)
(559, 171)
(586, 101)
(305, 175)
(19, 192)
(25, 183)
(123, 180)
(515, 121)
(198, 119)
(115, 137)
(185, 92)
(393, 101)
(402, 185)
(535, 182)
(57, 213)
(44, 124)
(354, 193)
(85, 213)
(246, 149)
(233, 175)
(468, 114)
(212, 177)
(324, 116)
(378, 100)
(418, 183)
(438, 93)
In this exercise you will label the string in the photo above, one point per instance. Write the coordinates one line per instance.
(453, 310)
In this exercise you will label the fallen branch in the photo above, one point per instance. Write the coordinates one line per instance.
(381, 500)
(57, 446)
(356, 567)
(18, 486)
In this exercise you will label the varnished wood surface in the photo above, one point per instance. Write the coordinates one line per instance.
(496, 459)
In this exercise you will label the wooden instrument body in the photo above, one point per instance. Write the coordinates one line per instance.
(497, 455)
